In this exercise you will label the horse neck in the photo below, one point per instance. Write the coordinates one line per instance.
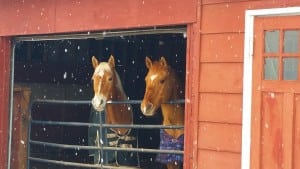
(174, 113)
(119, 113)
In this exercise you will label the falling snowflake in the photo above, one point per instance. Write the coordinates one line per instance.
(22, 142)
(65, 75)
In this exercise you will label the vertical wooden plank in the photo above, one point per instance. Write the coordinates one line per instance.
(20, 123)
(296, 142)
(192, 92)
(288, 123)
(272, 131)
(4, 98)
(256, 98)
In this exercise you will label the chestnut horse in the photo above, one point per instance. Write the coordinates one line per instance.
(107, 86)
(163, 85)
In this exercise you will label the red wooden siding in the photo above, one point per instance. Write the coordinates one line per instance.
(221, 77)
(222, 47)
(4, 98)
(220, 84)
(219, 137)
(211, 104)
(221, 1)
(229, 17)
(57, 16)
(216, 160)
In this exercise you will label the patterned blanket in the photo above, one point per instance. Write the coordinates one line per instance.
(169, 143)
(106, 137)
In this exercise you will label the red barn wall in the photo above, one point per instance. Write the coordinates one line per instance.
(33, 17)
(220, 83)
(217, 60)
(62, 16)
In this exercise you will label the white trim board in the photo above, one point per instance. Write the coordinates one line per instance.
(247, 74)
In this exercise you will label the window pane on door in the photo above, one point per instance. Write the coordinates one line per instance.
(271, 68)
(291, 39)
(290, 68)
(272, 41)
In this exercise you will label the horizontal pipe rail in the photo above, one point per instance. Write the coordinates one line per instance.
(104, 34)
(102, 148)
(76, 164)
(79, 147)
(180, 101)
(78, 124)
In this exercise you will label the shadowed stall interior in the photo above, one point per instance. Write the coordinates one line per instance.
(62, 70)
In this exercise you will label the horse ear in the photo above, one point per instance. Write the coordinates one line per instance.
(94, 62)
(163, 61)
(111, 61)
(148, 62)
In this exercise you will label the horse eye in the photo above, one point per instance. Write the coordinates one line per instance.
(110, 79)
(162, 81)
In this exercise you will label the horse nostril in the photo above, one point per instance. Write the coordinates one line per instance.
(149, 106)
(101, 101)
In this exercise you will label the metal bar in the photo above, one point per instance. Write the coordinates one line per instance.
(179, 101)
(52, 101)
(107, 125)
(11, 113)
(102, 35)
(75, 164)
(79, 147)
(102, 148)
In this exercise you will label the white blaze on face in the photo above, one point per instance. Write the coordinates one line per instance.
(99, 100)
(152, 77)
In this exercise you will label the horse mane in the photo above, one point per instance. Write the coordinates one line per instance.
(178, 89)
(119, 85)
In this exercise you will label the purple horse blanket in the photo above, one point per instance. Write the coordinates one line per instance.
(169, 143)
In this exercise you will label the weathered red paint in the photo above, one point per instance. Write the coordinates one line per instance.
(218, 21)
(192, 92)
(65, 16)
(4, 98)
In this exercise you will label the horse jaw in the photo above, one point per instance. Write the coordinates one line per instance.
(99, 102)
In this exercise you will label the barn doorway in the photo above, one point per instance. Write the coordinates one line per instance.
(59, 67)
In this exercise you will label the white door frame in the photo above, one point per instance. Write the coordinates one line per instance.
(247, 74)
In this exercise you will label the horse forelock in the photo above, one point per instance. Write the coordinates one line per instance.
(101, 69)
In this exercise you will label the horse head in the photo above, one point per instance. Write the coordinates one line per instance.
(159, 85)
(103, 80)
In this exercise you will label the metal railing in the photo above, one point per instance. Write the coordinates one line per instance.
(84, 124)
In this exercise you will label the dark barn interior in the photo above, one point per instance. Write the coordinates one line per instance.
(62, 70)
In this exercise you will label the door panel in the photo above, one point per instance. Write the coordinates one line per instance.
(271, 130)
(276, 94)
(296, 144)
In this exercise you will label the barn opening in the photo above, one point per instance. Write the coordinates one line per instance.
(58, 67)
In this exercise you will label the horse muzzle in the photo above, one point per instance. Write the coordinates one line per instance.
(98, 103)
(148, 109)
